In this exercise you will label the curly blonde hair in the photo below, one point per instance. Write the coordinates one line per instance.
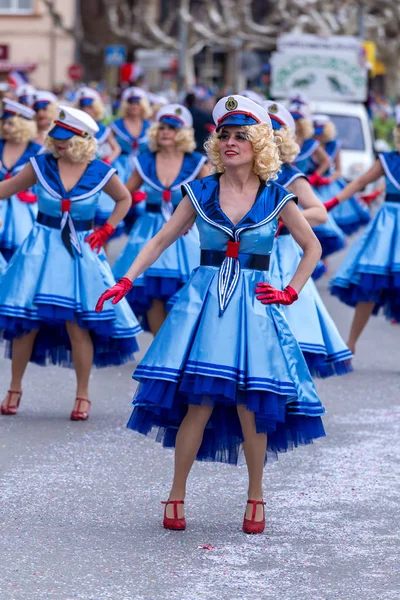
(287, 145)
(396, 138)
(304, 129)
(79, 148)
(329, 132)
(145, 105)
(97, 107)
(184, 138)
(23, 130)
(266, 154)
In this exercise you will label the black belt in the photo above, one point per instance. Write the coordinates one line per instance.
(392, 198)
(154, 208)
(55, 222)
(215, 258)
(284, 231)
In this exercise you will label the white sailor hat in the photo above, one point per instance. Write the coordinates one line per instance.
(319, 121)
(85, 96)
(72, 121)
(280, 116)
(11, 108)
(298, 97)
(157, 99)
(397, 114)
(238, 110)
(42, 98)
(299, 111)
(25, 93)
(133, 94)
(175, 115)
(251, 95)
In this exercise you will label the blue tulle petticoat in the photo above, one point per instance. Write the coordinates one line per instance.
(349, 215)
(371, 269)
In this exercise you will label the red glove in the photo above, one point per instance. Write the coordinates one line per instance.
(138, 197)
(98, 238)
(270, 295)
(28, 197)
(117, 291)
(317, 180)
(330, 204)
(281, 225)
(107, 160)
(368, 198)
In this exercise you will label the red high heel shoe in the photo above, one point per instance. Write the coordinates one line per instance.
(11, 410)
(81, 415)
(175, 523)
(251, 525)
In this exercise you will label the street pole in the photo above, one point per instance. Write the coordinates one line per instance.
(183, 43)
(361, 19)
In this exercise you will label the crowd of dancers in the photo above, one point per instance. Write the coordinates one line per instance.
(218, 265)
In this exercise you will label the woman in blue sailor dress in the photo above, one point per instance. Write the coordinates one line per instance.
(49, 289)
(349, 215)
(369, 277)
(18, 212)
(130, 132)
(310, 322)
(89, 100)
(235, 374)
(312, 160)
(160, 174)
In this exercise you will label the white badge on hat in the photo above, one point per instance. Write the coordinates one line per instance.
(72, 121)
(11, 108)
(279, 114)
(175, 115)
(240, 111)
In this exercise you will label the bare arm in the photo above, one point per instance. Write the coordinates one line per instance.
(115, 147)
(313, 209)
(182, 219)
(21, 182)
(122, 198)
(134, 182)
(322, 159)
(360, 183)
(308, 242)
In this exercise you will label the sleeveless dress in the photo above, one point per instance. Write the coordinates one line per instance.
(309, 320)
(370, 271)
(130, 147)
(18, 217)
(55, 276)
(221, 347)
(349, 215)
(171, 271)
(329, 234)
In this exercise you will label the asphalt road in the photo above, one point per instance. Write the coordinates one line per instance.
(80, 513)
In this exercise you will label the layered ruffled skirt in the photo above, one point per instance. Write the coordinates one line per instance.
(17, 220)
(330, 236)
(168, 274)
(370, 271)
(349, 215)
(248, 356)
(43, 287)
(308, 318)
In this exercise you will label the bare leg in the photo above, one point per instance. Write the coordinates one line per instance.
(21, 353)
(361, 316)
(188, 442)
(254, 447)
(156, 315)
(82, 357)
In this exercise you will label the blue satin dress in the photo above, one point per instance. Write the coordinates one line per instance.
(370, 271)
(221, 347)
(17, 217)
(130, 147)
(172, 270)
(311, 324)
(331, 237)
(45, 284)
(349, 215)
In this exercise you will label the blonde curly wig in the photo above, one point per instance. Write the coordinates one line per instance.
(184, 138)
(329, 133)
(304, 129)
(396, 138)
(79, 148)
(287, 145)
(145, 105)
(98, 109)
(23, 130)
(266, 154)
